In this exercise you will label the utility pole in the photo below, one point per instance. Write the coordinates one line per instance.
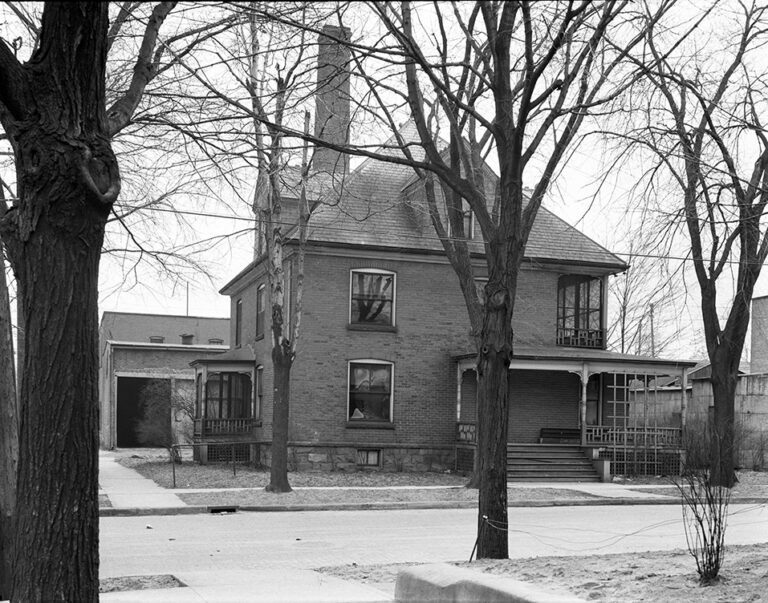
(653, 339)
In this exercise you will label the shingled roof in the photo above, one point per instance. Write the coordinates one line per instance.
(372, 208)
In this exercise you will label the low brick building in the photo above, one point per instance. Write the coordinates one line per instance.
(144, 361)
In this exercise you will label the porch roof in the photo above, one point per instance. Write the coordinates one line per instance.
(576, 359)
(233, 356)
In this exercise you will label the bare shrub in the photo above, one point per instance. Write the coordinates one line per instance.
(705, 505)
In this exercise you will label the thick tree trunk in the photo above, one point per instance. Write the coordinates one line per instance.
(57, 519)
(722, 430)
(492, 416)
(278, 475)
(67, 181)
(493, 408)
(9, 437)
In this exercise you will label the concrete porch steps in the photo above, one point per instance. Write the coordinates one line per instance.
(548, 462)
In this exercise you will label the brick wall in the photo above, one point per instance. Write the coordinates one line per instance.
(542, 399)
(432, 325)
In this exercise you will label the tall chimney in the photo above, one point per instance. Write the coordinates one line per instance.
(758, 362)
(332, 99)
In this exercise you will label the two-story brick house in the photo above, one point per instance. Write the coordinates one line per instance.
(384, 374)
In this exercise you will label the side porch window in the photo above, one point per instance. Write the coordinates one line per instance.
(228, 396)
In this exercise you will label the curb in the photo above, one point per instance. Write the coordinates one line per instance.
(398, 506)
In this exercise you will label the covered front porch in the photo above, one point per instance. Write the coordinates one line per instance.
(628, 409)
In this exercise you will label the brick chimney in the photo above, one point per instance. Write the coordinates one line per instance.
(758, 362)
(332, 99)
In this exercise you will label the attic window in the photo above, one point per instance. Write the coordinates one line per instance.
(216, 341)
(156, 339)
(187, 339)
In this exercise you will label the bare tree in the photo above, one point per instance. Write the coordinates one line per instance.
(53, 110)
(697, 115)
(513, 81)
(646, 300)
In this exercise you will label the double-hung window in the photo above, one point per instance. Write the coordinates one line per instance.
(372, 297)
(370, 391)
(260, 305)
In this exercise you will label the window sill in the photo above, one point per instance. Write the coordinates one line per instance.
(369, 425)
(371, 327)
(259, 337)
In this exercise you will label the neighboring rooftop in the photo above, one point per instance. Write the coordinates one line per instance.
(163, 329)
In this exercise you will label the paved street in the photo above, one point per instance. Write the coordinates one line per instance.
(251, 541)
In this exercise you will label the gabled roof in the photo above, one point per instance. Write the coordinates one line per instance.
(374, 207)
(370, 210)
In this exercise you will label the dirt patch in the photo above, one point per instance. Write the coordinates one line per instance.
(651, 576)
(123, 583)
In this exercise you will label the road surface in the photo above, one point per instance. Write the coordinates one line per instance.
(305, 540)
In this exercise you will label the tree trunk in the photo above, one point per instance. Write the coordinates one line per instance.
(9, 436)
(67, 181)
(278, 474)
(723, 444)
(492, 417)
(57, 519)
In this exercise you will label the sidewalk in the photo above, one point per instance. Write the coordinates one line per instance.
(126, 489)
(129, 493)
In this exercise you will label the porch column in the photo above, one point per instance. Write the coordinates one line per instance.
(583, 404)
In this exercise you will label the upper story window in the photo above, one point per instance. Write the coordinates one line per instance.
(372, 297)
(370, 391)
(238, 323)
(156, 339)
(187, 339)
(260, 305)
(468, 220)
(216, 341)
(580, 312)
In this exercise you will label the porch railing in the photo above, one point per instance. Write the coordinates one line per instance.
(466, 432)
(581, 338)
(205, 427)
(634, 437)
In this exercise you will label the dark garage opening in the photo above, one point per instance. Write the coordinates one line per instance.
(143, 412)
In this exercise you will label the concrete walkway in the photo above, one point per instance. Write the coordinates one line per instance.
(127, 489)
(256, 586)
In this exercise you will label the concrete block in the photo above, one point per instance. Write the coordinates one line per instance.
(443, 583)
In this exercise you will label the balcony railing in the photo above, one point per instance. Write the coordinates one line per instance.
(205, 427)
(634, 437)
(466, 432)
(581, 338)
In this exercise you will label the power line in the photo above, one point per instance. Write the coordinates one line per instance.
(341, 230)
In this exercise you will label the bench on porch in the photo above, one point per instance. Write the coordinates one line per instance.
(559, 435)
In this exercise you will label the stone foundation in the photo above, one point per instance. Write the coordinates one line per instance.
(319, 457)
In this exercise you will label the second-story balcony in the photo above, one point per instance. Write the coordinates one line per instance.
(581, 338)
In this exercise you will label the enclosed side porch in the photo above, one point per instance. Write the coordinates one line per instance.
(228, 396)
(618, 407)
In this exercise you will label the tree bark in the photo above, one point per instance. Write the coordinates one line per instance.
(9, 437)
(494, 358)
(723, 451)
(67, 181)
(282, 360)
